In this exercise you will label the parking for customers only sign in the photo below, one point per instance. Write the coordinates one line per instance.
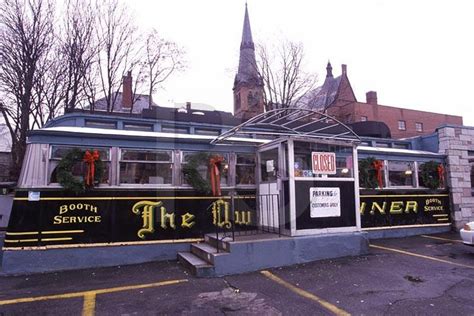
(323, 162)
(325, 202)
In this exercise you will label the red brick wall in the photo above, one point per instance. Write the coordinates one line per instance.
(353, 111)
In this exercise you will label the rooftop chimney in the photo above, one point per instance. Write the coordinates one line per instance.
(127, 98)
(371, 97)
(188, 106)
(344, 69)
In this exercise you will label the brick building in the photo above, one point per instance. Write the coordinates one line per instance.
(337, 97)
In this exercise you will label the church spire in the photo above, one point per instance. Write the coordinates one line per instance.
(248, 86)
(247, 72)
(247, 41)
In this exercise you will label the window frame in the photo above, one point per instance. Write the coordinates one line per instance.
(171, 162)
(414, 175)
(419, 124)
(50, 170)
(245, 165)
(402, 125)
(228, 155)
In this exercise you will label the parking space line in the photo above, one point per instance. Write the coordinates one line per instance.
(88, 308)
(421, 256)
(89, 296)
(441, 238)
(330, 307)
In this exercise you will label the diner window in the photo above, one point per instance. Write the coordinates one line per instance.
(202, 160)
(402, 126)
(138, 127)
(245, 169)
(100, 124)
(174, 129)
(146, 167)
(303, 165)
(401, 145)
(79, 169)
(363, 118)
(419, 127)
(401, 173)
(384, 145)
(207, 131)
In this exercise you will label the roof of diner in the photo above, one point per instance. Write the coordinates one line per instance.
(291, 122)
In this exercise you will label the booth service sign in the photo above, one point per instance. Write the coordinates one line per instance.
(323, 162)
(325, 202)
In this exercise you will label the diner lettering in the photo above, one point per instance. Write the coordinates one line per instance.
(400, 207)
(79, 219)
(220, 217)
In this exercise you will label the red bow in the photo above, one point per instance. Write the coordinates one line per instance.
(441, 175)
(378, 165)
(214, 164)
(90, 160)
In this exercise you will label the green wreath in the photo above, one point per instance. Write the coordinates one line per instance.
(192, 175)
(429, 174)
(65, 177)
(367, 173)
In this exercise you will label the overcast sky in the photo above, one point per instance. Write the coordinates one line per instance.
(415, 54)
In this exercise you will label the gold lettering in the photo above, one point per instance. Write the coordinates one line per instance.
(63, 209)
(97, 219)
(396, 207)
(93, 208)
(362, 208)
(376, 205)
(148, 216)
(72, 207)
(243, 217)
(217, 214)
(411, 206)
(165, 216)
(80, 206)
(187, 220)
(57, 219)
(72, 219)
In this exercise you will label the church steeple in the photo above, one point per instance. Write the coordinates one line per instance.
(248, 86)
(247, 41)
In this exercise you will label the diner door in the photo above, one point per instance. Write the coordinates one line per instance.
(269, 188)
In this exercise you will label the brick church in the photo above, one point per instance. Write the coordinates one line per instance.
(335, 97)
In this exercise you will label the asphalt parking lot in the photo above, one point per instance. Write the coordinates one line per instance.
(411, 276)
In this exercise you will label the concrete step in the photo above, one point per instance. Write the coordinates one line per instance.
(196, 265)
(223, 242)
(207, 252)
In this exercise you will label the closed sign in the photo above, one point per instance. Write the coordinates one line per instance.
(323, 162)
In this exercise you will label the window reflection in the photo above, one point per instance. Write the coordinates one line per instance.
(400, 173)
(303, 164)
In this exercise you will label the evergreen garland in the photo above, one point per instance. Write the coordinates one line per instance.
(367, 173)
(65, 177)
(429, 174)
(192, 175)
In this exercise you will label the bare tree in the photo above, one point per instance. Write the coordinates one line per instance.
(163, 58)
(282, 72)
(118, 50)
(78, 51)
(50, 88)
(26, 36)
